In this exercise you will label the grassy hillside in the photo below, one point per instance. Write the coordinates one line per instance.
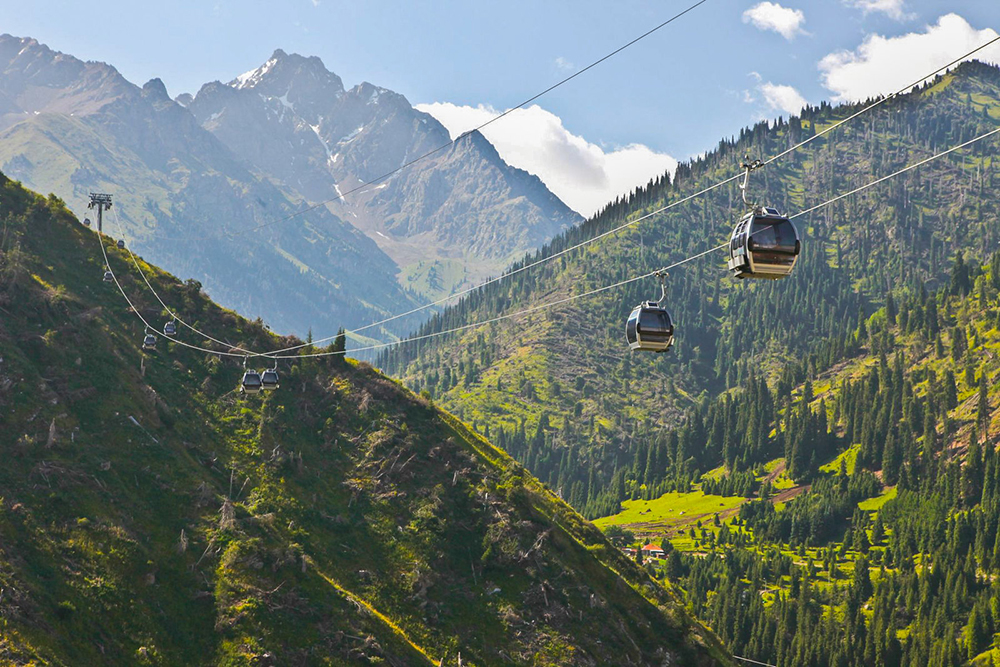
(582, 412)
(150, 514)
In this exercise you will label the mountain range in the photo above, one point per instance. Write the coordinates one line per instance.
(223, 187)
(462, 207)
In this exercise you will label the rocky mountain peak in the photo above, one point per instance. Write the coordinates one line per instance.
(155, 90)
(11, 46)
(292, 119)
(475, 140)
(371, 91)
(35, 79)
(302, 83)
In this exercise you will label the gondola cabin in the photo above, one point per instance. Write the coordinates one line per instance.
(251, 383)
(149, 342)
(764, 244)
(108, 276)
(649, 327)
(121, 244)
(169, 329)
(269, 379)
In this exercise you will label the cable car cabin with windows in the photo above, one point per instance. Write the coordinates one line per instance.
(649, 327)
(269, 379)
(764, 244)
(169, 329)
(149, 342)
(251, 383)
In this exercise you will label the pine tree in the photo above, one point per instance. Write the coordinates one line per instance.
(977, 633)
(878, 530)
(861, 581)
(340, 342)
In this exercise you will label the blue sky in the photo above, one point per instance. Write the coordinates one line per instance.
(723, 66)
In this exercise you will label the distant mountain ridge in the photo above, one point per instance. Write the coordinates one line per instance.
(294, 121)
(197, 177)
(71, 127)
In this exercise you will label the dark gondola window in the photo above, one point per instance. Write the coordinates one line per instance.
(776, 236)
(654, 325)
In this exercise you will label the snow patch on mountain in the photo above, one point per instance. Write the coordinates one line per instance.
(254, 76)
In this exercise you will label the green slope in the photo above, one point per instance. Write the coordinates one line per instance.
(150, 514)
(582, 413)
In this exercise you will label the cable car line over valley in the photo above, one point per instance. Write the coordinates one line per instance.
(662, 209)
(278, 354)
(759, 163)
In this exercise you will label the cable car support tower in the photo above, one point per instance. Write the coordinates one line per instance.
(101, 202)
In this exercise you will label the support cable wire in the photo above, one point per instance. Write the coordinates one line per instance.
(277, 354)
(646, 216)
(128, 246)
(754, 662)
(897, 173)
(149, 327)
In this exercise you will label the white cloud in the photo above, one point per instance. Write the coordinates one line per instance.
(881, 65)
(891, 8)
(776, 97)
(784, 98)
(564, 64)
(771, 16)
(580, 173)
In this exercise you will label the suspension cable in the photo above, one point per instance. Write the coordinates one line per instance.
(128, 247)
(658, 211)
(754, 662)
(527, 311)
(901, 171)
(149, 328)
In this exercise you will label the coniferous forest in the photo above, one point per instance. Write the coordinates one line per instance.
(846, 417)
